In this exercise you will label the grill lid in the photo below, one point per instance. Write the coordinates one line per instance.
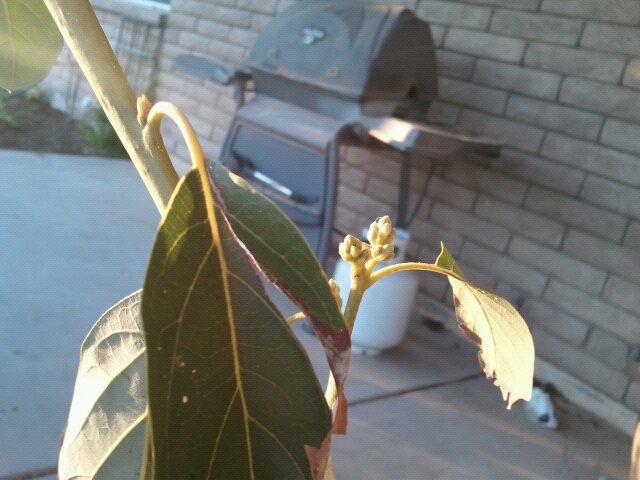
(359, 51)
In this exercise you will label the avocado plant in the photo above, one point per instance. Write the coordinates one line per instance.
(198, 375)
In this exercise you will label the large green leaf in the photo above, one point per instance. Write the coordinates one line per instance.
(506, 351)
(286, 258)
(232, 393)
(29, 43)
(105, 432)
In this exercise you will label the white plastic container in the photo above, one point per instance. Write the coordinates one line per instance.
(384, 313)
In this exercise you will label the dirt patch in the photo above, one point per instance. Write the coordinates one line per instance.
(27, 124)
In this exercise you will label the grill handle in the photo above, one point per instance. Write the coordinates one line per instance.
(247, 168)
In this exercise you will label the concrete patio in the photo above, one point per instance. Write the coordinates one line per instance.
(75, 234)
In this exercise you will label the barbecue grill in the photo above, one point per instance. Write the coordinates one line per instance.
(325, 74)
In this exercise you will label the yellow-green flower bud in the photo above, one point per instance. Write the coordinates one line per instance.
(381, 232)
(382, 253)
(335, 290)
(353, 250)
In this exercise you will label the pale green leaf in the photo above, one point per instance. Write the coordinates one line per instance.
(506, 351)
(29, 43)
(104, 437)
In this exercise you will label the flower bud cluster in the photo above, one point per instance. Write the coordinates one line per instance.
(381, 235)
(353, 250)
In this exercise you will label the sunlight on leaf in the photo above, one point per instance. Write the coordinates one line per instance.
(104, 437)
(29, 43)
(506, 351)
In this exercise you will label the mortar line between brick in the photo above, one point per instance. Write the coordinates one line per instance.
(398, 393)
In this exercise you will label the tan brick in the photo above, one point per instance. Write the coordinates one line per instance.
(452, 64)
(451, 194)
(470, 95)
(580, 364)
(610, 349)
(262, 6)
(601, 97)
(427, 232)
(558, 264)
(520, 221)
(632, 398)
(516, 134)
(353, 177)
(632, 73)
(620, 11)
(575, 213)
(484, 180)
(213, 29)
(442, 113)
(485, 44)
(535, 26)
(621, 135)
(556, 117)
(622, 260)
(233, 16)
(554, 320)
(454, 13)
(192, 41)
(387, 192)
(462, 223)
(594, 158)
(519, 4)
(243, 37)
(539, 170)
(345, 218)
(351, 199)
(517, 79)
(593, 310)
(609, 194)
(632, 237)
(259, 21)
(504, 268)
(438, 32)
(611, 38)
(573, 61)
(623, 294)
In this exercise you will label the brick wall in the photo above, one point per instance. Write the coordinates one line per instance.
(554, 223)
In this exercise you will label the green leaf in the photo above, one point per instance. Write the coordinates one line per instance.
(506, 351)
(104, 437)
(232, 393)
(445, 260)
(283, 254)
(29, 43)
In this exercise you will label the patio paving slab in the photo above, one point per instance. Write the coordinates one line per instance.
(76, 233)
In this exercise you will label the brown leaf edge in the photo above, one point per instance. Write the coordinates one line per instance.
(336, 343)
(319, 456)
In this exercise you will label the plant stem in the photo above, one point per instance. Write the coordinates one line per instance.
(401, 267)
(86, 40)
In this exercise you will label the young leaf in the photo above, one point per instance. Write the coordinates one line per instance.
(232, 393)
(29, 43)
(110, 391)
(506, 351)
(286, 258)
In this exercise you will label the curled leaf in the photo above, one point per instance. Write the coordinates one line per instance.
(506, 351)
